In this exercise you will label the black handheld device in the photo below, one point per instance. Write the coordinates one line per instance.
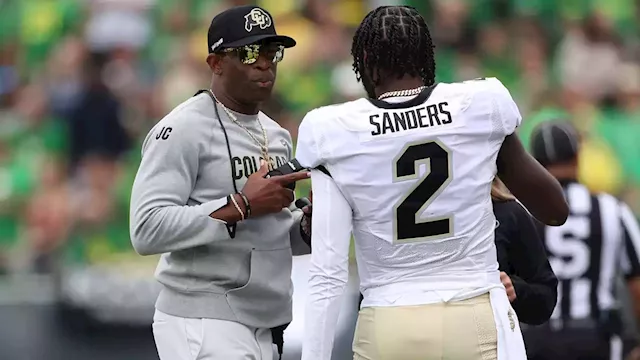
(289, 167)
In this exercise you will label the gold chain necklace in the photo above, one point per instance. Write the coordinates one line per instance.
(264, 150)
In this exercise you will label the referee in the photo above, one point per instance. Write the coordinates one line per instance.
(600, 240)
(201, 199)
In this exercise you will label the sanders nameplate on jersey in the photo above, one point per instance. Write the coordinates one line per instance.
(422, 117)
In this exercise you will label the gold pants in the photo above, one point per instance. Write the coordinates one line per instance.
(463, 330)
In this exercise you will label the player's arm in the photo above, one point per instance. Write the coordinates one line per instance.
(631, 255)
(531, 183)
(309, 155)
(299, 240)
(535, 284)
(524, 176)
(330, 239)
(160, 220)
(328, 271)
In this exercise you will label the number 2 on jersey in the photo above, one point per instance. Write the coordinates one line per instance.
(406, 225)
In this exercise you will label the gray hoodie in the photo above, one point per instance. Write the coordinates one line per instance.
(185, 175)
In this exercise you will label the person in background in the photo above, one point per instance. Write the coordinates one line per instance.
(599, 240)
(95, 124)
(524, 267)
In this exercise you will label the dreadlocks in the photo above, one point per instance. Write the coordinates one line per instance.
(394, 41)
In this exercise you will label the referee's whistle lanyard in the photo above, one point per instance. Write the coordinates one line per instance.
(277, 333)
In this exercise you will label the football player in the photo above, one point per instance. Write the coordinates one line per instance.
(408, 170)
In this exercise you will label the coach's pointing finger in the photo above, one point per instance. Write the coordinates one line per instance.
(289, 178)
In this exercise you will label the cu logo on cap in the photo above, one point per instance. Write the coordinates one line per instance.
(256, 17)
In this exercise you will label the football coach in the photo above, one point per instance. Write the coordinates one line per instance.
(201, 199)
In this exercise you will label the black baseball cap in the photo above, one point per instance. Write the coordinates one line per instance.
(243, 25)
(555, 142)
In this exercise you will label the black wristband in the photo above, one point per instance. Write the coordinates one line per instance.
(246, 203)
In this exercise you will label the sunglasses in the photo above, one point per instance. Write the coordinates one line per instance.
(249, 54)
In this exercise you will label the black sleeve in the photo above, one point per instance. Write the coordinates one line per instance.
(535, 283)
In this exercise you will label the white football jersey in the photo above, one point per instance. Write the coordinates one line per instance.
(414, 175)
(417, 175)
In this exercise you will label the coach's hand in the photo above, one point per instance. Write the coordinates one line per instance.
(267, 196)
(506, 281)
(634, 354)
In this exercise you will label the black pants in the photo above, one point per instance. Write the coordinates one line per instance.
(567, 344)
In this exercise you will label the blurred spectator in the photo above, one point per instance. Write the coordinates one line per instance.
(182, 78)
(38, 26)
(95, 125)
(63, 77)
(10, 197)
(118, 24)
(30, 139)
(48, 216)
(94, 184)
(589, 57)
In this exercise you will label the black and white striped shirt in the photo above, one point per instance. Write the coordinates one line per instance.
(599, 241)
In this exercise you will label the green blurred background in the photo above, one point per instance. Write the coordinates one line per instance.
(81, 83)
